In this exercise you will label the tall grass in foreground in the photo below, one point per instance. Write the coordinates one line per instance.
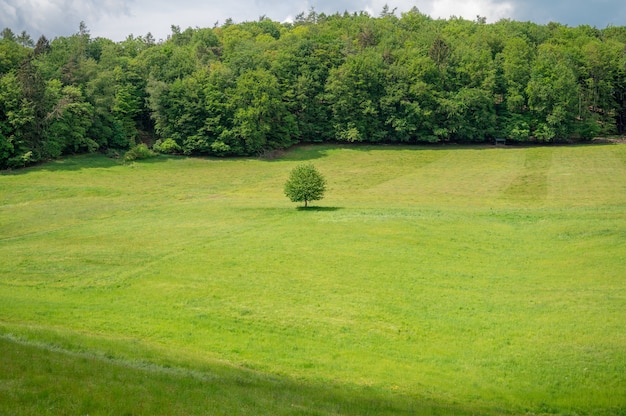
(450, 280)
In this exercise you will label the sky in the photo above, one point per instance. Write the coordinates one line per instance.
(116, 19)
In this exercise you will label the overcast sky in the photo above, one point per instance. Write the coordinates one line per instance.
(116, 19)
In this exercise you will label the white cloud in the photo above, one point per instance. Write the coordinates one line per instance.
(57, 17)
(116, 19)
(469, 9)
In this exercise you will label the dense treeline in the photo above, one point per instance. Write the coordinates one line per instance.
(241, 89)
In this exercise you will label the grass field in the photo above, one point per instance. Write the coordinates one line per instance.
(442, 280)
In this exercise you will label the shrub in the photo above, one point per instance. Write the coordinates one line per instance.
(168, 146)
(21, 161)
(220, 148)
(140, 151)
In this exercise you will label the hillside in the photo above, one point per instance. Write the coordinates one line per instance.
(439, 279)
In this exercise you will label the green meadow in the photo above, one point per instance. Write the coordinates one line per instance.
(429, 280)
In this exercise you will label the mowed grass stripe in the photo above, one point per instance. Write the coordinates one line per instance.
(531, 184)
(419, 274)
(588, 176)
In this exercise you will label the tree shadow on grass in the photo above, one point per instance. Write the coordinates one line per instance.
(319, 209)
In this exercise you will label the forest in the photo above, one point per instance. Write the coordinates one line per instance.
(248, 88)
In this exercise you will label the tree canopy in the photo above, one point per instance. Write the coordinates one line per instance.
(246, 88)
(305, 184)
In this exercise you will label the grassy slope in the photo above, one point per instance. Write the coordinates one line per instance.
(468, 280)
(39, 380)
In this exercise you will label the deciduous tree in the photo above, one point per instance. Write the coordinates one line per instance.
(305, 184)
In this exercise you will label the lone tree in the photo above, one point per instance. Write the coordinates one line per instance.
(305, 184)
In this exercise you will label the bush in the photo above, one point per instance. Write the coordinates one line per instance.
(168, 146)
(138, 152)
(220, 148)
(21, 161)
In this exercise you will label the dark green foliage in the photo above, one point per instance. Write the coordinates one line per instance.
(253, 87)
(439, 52)
(305, 184)
(260, 120)
(68, 122)
(354, 91)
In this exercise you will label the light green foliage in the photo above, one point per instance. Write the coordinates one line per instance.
(471, 280)
(305, 184)
(11, 54)
(139, 152)
(167, 146)
(220, 148)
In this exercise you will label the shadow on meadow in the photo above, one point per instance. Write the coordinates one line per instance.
(314, 208)
(80, 162)
(298, 152)
(45, 378)
(313, 151)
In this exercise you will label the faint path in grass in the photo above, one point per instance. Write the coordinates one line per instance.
(531, 184)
